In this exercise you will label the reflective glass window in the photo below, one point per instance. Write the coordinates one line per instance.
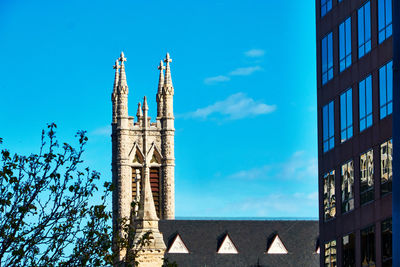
(365, 103)
(387, 243)
(368, 247)
(347, 187)
(346, 115)
(364, 29)
(386, 89)
(327, 58)
(367, 176)
(384, 19)
(345, 44)
(328, 126)
(386, 167)
(330, 254)
(348, 250)
(329, 196)
(326, 5)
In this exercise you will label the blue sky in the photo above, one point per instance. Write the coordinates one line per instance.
(245, 92)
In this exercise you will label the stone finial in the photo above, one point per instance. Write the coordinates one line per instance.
(122, 58)
(116, 68)
(145, 106)
(159, 96)
(161, 67)
(167, 80)
(167, 59)
(139, 113)
(123, 86)
(116, 65)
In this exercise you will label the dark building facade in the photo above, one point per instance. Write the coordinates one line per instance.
(355, 145)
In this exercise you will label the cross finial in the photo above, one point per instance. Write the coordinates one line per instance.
(161, 66)
(167, 59)
(122, 58)
(116, 66)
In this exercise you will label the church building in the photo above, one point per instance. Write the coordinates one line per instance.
(143, 165)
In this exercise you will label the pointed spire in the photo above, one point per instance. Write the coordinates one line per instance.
(161, 78)
(116, 68)
(167, 80)
(123, 86)
(139, 113)
(145, 106)
(147, 210)
(114, 95)
(159, 97)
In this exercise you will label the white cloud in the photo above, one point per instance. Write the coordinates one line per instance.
(298, 166)
(254, 53)
(236, 106)
(245, 71)
(252, 173)
(280, 204)
(216, 79)
(102, 131)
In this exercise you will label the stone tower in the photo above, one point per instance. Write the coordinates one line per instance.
(143, 159)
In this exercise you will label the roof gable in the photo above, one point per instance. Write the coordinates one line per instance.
(178, 246)
(227, 246)
(277, 247)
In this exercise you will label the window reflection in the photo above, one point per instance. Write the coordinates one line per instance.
(345, 44)
(329, 196)
(328, 123)
(346, 115)
(366, 177)
(326, 5)
(348, 250)
(386, 89)
(347, 175)
(384, 19)
(365, 103)
(364, 30)
(327, 58)
(386, 167)
(387, 243)
(330, 254)
(368, 247)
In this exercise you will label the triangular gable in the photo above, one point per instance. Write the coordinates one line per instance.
(317, 247)
(155, 154)
(227, 246)
(178, 246)
(277, 247)
(136, 155)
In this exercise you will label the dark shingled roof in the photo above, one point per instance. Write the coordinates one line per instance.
(251, 238)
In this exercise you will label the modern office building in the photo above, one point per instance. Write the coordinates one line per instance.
(355, 145)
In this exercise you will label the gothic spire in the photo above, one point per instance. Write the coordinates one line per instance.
(145, 109)
(159, 97)
(123, 86)
(145, 106)
(161, 78)
(139, 113)
(167, 80)
(147, 210)
(114, 94)
(116, 79)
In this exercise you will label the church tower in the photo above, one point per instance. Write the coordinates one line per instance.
(143, 161)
